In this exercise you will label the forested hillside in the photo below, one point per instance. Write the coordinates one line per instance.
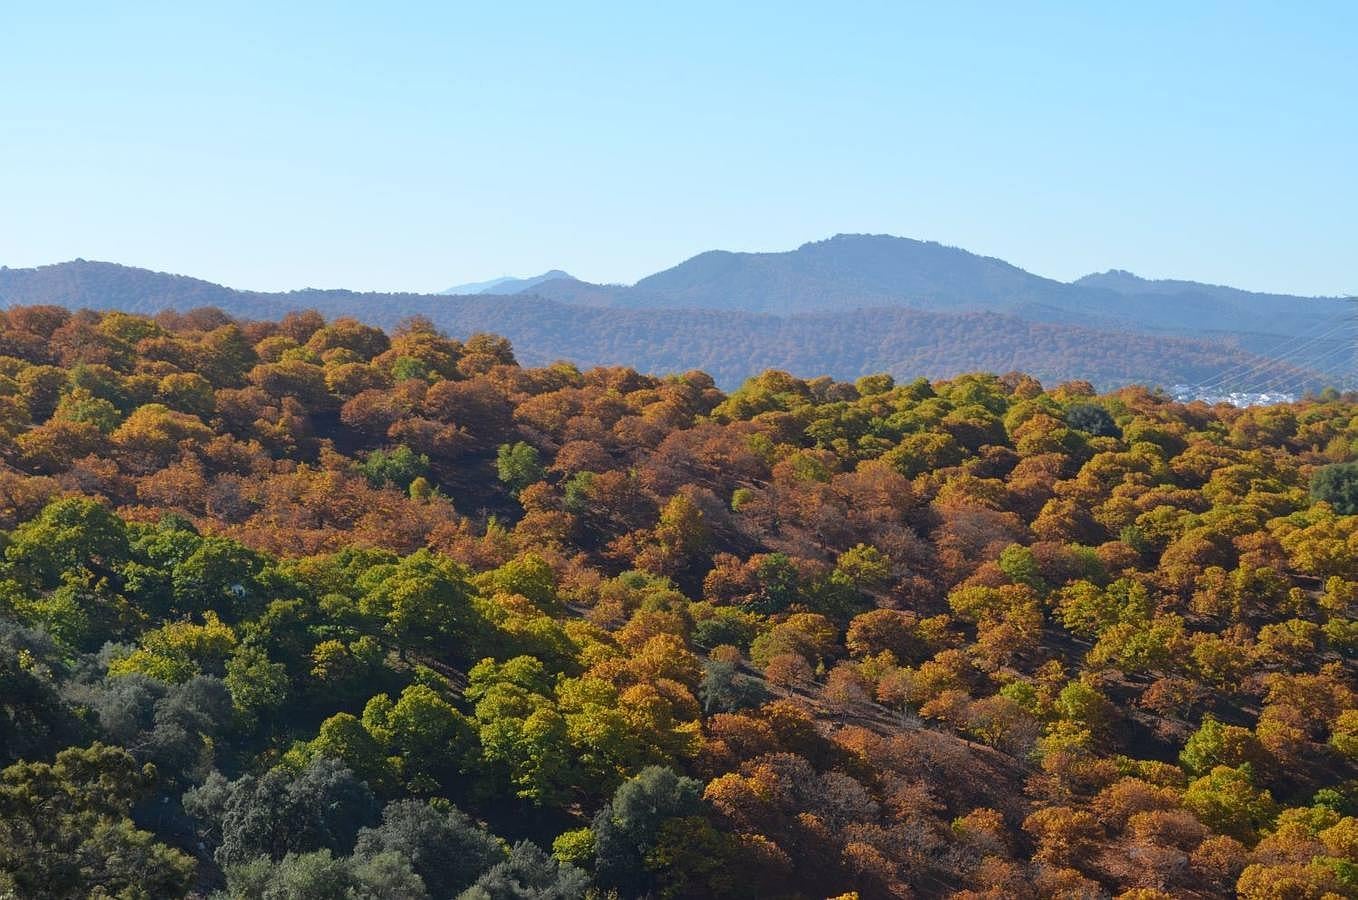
(732, 345)
(302, 608)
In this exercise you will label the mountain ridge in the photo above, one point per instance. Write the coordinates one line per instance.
(845, 306)
(506, 284)
(857, 271)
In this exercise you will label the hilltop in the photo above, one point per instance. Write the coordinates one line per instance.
(847, 306)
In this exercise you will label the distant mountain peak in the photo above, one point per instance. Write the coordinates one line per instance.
(508, 284)
(1123, 282)
(846, 305)
(845, 271)
(1111, 273)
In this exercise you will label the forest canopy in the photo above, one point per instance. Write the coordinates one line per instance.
(304, 608)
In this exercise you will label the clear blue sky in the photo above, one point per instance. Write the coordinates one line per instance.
(415, 145)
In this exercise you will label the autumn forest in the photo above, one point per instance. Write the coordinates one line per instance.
(307, 609)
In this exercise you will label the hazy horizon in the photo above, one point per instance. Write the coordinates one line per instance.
(525, 276)
(272, 149)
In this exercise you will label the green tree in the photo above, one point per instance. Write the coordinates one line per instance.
(528, 575)
(344, 738)
(627, 828)
(173, 726)
(1337, 485)
(65, 830)
(320, 875)
(682, 538)
(258, 686)
(1092, 419)
(1215, 744)
(523, 735)
(34, 719)
(179, 650)
(1227, 801)
(409, 367)
(518, 465)
(1020, 564)
(445, 847)
(68, 536)
(399, 466)
(79, 405)
(1082, 704)
(220, 575)
(423, 601)
(865, 567)
(431, 739)
(282, 811)
(529, 874)
(1344, 736)
(779, 583)
(725, 689)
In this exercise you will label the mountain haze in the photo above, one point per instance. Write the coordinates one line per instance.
(843, 272)
(844, 307)
(856, 271)
(506, 285)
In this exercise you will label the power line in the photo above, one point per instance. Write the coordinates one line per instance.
(1287, 345)
(1276, 356)
(1296, 381)
(1320, 367)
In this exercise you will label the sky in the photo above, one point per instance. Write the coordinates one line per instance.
(416, 145)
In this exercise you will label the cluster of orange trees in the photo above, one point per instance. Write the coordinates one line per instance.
(302, 608)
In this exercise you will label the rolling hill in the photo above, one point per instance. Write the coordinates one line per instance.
(845, 307)
(856, 271)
